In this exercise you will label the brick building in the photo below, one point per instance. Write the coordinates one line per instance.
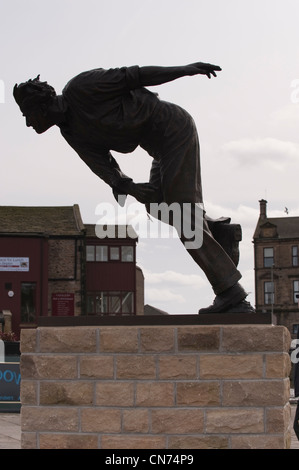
(276, 263)
(53, 264)
(114, 284)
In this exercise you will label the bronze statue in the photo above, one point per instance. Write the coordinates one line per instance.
(104, 110)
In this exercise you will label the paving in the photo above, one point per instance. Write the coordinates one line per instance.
(10, 431)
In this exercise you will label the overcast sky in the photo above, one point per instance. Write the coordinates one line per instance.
(247, 118)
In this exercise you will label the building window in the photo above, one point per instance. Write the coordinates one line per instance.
(296, 291)
(110, 302)
(269, 293)
(101, 253)
(28, 302)
(127, 254)
(96, 253)
(295, 255)
(114, 253)
(97, 303)
(268, 257)
(295, 328)
(90, 253)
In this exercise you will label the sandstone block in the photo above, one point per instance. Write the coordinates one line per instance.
(48, 367)
(155, 394)
(28, 341)
(255, 393)
(255, 338)
(225, 366)
(198, 442)
(100, 420)
(96, 367)
(119, 340)
(133, 442)
(235, 421)
(198, 338)
(135, 421)
(177, 421)
(29, 392)
(258, 442)
(278, 365)
(198, 393)
(68, 339)
(28, 440)
(68, 441)
(178, 367)
(157, 339)
(278, 419)
(115, 393)
(49, 419)
(135, 367)
(66, 393)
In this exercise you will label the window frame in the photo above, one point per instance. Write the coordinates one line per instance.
(295, 257)
(108, 298)
(122, 255)
(267, 263)
(32, 315)
(295, 291)
(269, 295)
(93, 253)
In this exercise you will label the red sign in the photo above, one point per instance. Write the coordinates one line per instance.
(63, 304)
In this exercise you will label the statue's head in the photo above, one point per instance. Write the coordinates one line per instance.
(32, 93)
(33, 98)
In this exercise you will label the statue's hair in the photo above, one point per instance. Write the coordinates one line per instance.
(32, 93)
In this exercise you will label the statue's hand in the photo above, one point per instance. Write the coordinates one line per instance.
(203, 69)
(143, 192)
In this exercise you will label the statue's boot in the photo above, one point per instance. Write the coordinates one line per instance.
(227, 235)
(232, 300)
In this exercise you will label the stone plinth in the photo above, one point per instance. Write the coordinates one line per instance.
(155, 387)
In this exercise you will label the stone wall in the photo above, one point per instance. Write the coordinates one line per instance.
(155, 387)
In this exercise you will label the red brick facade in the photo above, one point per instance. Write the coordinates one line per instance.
(46, 268)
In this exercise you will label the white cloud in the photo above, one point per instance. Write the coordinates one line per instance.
(243, 214)
(174, 278)
(272, 152)
(162, 295)
(287, 115)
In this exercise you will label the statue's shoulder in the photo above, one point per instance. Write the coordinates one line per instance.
(84, 79)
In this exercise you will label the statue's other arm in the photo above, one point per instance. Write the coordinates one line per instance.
(155, 75)
(106, 168)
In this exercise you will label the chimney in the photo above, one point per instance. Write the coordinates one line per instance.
(263, 209)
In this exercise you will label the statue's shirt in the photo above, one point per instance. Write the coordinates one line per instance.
(110, 110)
(106, 110)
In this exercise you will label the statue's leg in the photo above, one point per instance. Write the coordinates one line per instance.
(217, 265)
(209, 255)
(177, 176)
(228, 236)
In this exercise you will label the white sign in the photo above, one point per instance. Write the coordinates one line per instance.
(14, 264)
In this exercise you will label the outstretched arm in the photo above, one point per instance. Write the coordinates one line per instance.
(152, 75)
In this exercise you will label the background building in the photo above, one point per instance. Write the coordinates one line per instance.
(53, 264)
(111, 275)
(276, 262)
